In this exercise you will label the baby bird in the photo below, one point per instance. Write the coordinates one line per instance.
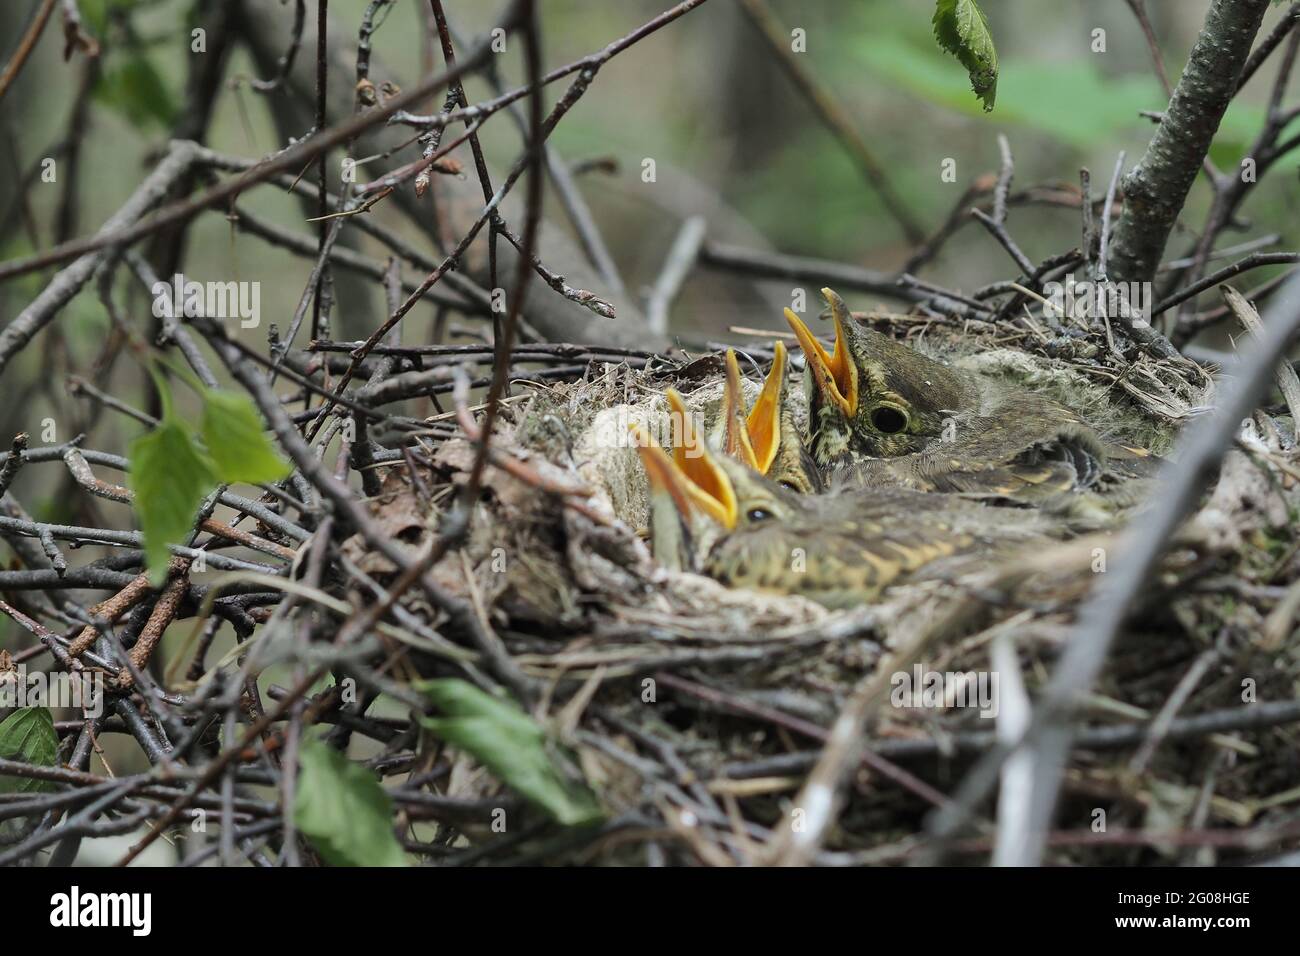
(840, 548)
(883, 414)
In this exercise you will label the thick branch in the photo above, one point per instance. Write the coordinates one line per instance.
(1154, 192)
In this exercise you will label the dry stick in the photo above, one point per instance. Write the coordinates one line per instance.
(956, 218)
(87, 479)
(74, 37)
(1105, 610)
(48, 639)
(324, 233)
(1155, 191)
(588, 62)
(1288, 382)
(1191, 324)
(586, 69)
(79, 387)
(1158, 64)
(1269, 44)
(523, 270)
(575, 91)
(362, 453)
(456, 95)
(355, 627)
(531, 352)
(1264, 151)
(1153, 45)
(311, 293)
(585, 298)
(218, 764)
(111, 609)
(1002, 187)
(159, 618)
(342, 256)
(772, 265)
(1253, 261)
(1169, 711)
(833, 115)
(272, 366)
(682, 256)
(870, 759)
(172, 330)
(25, 46)
(293, 159)
(68, 282)
(1085, 208)
(286, 161)
(939, 292)
(47, 534)
(1211, 724)
(1227, 252)
(13, 462)
(1103, 247)
(352, 511)
(286, 61)
(999, 232)
(819, 800)
(571, 198)
(436, 160)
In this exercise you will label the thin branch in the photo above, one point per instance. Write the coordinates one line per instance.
(681, 259)
(523, 272)
(290, 54)
(1252, 261)
(833, 115)
(1139, 9)
(1269, 44)
(1287, 381)
(25, 46)
(290, 160)
(1107, 607)
(1156, 189)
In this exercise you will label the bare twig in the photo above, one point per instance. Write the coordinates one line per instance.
(677, 266)
(1155, 190)
(25, 46)
(1108, 605)
(833, 115)
(1288, 382)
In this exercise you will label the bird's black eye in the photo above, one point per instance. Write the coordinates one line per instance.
(888, 419)
(756, 515)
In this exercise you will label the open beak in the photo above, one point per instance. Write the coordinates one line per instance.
(735, 435)
(690, 477)
(764, 422)
(835, 374)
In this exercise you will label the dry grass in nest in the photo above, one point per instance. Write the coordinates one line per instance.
(689, 701)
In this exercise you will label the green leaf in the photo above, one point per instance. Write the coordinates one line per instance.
(239, 447)
(510, 744)
(962, 30)
(170, 479)
(344, 811)
(1102, 107)
(28, 735)
(136, 89)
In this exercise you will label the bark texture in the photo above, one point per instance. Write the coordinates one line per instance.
(1155, 190)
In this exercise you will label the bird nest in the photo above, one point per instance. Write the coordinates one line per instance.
(696, 712)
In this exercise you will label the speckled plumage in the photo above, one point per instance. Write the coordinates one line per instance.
(847, 545)
(883, 415)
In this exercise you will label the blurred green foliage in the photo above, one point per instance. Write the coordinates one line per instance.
(962, 29)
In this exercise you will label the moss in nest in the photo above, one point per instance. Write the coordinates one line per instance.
(1114, 414)
(554, 418)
